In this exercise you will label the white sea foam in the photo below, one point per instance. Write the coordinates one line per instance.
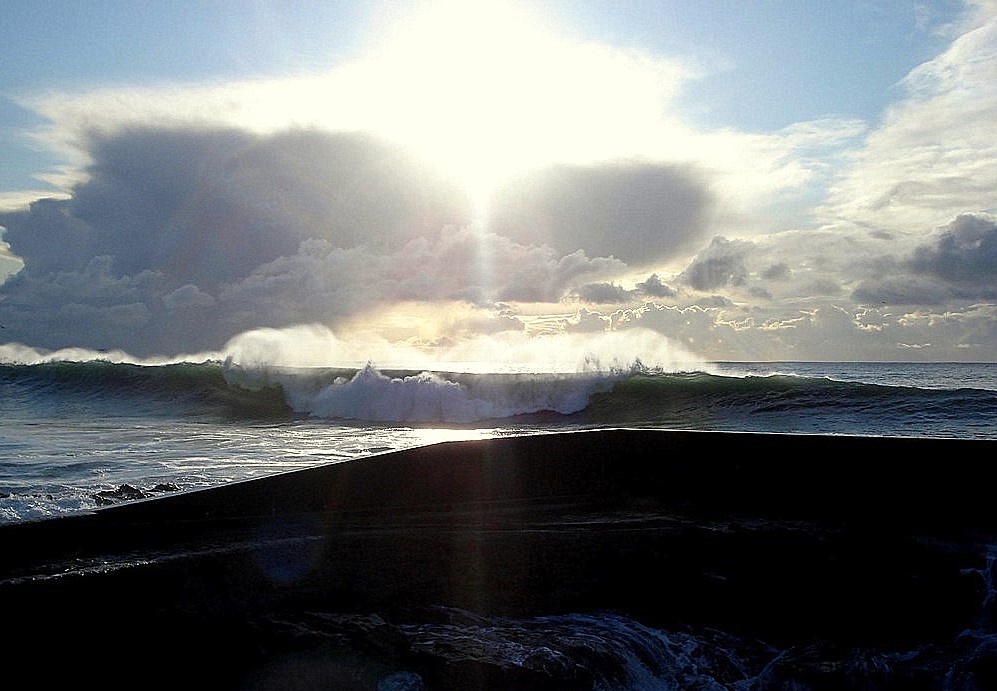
(431, 397)
(423, 397)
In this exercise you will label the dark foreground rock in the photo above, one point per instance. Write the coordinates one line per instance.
(609, 559)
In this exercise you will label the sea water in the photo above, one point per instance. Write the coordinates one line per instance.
(77, 435)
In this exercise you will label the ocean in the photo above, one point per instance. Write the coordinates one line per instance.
(78, 435)
(646, 596)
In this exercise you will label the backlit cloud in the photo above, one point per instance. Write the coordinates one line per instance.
(638, 212)
(181, 239)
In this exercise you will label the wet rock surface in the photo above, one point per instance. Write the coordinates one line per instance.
(128, 492)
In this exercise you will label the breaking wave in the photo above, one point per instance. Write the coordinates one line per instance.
(637, 396)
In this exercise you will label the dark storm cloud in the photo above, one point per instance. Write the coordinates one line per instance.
(180, 239)
(720, 265)
(964, 256)
(821, 286)
(900, 290)
(207, 207)
(777, 272)
(170, 222)
(653, 287)
(721, 301)
(636, 212)
(959, 264)
(92, 306)
(602, 293)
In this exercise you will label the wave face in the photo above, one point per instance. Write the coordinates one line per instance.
(729, 399)
(123, 389)
(793, 403)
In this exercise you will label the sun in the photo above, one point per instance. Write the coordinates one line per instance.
(483, 90)
(467, 82)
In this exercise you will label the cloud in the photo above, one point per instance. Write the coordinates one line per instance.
(20, 199)
(777, 272)
(172, 229)
(931, 158)
(957, 265)
(184, 200)
(637, 212)
(451, 264)
(588, 321)
(653, 287)
(602, 293)
(964, 255)
(900, 290)
(472, 264)
(718, 266)
(827, 331)
(187, 296)
(179, 239)
(9, 263)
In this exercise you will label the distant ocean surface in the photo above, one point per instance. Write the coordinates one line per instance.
(78, 435)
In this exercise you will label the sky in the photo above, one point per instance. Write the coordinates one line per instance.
(553, 184)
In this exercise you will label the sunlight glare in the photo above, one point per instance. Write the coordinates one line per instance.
(485, 89)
